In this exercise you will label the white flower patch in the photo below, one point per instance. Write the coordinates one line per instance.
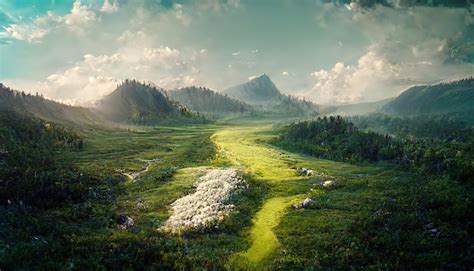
(208, 204)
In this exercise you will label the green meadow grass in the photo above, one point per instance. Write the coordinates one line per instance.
(338, 231)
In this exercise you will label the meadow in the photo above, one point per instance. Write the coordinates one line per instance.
(358, 221)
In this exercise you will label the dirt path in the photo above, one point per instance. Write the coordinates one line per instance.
(133, 176)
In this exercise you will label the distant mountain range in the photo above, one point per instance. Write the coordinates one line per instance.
(207, 101)
(137, 103)
(453, 97)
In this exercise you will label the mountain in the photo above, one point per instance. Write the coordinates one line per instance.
(453, 97)
(258, 91)
(262, 93)
(138, 103)
(45, 109)
(204, 100)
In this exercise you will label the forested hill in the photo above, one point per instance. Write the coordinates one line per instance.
(453, 97)
(205, 100)
(45, 109)
(134, 102)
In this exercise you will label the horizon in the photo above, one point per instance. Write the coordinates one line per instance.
(92, 103)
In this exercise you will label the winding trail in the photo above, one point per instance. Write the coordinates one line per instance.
(133, 176)
(264, 240)
(241, 146)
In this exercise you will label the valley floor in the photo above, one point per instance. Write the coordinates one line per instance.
(266, 232)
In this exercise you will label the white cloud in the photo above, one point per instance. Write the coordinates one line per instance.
(30, 33)
(255, 51)
(79, 17)
(374, 77)
(109, 7)
(97, 75)
(351, 83)
(285, 73)
(236, 53)
(406, 48)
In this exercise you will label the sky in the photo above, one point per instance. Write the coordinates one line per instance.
(329, 51)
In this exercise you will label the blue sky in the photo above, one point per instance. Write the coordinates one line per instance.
(76, 51)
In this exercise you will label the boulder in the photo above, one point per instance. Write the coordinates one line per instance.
(328, 183)
(304, 204)
(305, 171)
(125, 222)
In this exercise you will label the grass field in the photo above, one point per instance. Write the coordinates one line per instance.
(340, 229)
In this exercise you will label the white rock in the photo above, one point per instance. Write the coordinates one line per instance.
(328, 183)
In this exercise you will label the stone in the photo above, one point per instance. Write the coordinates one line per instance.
(304, 204)
(328, 183)
(125, 222)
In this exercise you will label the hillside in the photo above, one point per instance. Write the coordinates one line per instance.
(45, 109)
(137, 103)
(262, 93)
(204, 100)
(454, 97)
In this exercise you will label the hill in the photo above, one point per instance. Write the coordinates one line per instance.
(453, 97)
(45, 109)
(138, 103)
(204, 100)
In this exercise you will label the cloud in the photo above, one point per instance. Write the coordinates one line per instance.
(97, 75)
(368, 4)
(350, 83)
(285, 73)
(30, 33)
(108, 7)
(406, 48)
(236, 53)
(79, 17)
(375, 77)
